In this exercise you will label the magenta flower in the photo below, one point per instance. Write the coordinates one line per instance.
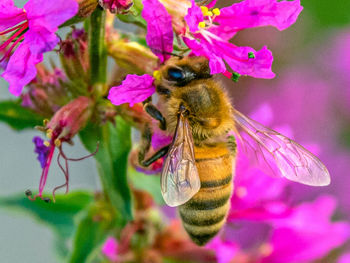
(308, 233)
(159, 29)
(34, 28)
(110, 249)
(225, 250)
(210, 31)
(134, 89)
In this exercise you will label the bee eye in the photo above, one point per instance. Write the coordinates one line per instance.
(176, 74)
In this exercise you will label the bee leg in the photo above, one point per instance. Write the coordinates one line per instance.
(145, 144)
(156, 114)
(159, 154)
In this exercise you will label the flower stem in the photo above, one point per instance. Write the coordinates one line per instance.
(98, 51)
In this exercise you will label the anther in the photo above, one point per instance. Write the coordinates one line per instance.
(47, 143)
(49, 133)
(46, 200)
(201, 24)
(57, 142)
(251, 55)
(216, 11)
(45, 122)
(235, 76)
(28, 192)
(156, 74)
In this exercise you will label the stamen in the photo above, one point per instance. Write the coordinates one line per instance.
(82, 158)
(28, 192)
(8, 52)
(251, 55)
(11, 29)
(201, 24)
(57, 142)
(216, 11)
(156, 74)
(47, 143)
(49, 133)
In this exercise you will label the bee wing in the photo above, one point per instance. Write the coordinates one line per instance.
(279, 155)
(179, 179)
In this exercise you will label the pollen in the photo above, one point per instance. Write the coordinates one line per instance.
(45, 122)
(251, 55)
(156, 74)
(57, 142)
(49, 133)
(204, 10)
(201, 24)
(216, 11)
(47, 143)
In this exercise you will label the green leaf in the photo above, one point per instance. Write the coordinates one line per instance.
(149, 183)
(134, 15)
(58, 215)
(327, 13)
(90, 234)
(18, 117)
(112, 158)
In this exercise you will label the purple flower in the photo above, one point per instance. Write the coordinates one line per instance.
(210, 31)
(34, 28)
(42, 150)
(159, 29)
(134, 89)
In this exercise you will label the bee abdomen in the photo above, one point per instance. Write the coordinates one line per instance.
(205, 214)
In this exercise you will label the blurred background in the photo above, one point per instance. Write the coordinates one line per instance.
(310, 95)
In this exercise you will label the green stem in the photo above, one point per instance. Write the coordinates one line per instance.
(97, 48)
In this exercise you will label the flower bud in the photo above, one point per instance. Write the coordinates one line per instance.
(69, 120)
(116, 6)
(86, 7)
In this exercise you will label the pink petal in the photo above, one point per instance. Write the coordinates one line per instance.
(308, 233)
(255, 13)
(211, 4)
(216, 63)
(49, 14)
(159, 29)
(193, 17)
(225, 250)
(110, 249)
(237, 59)
(41, 40)
(21, 69)
(345, 258)
(160, 139)
(10, 15)
(134, 89)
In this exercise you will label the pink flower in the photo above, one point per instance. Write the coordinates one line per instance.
(34, 28)
(225, 250)
(159, 29)
(210, 31)
(134, 89)
(110, 249)
(308, 233)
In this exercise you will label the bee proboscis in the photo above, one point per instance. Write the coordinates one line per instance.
(198, 170)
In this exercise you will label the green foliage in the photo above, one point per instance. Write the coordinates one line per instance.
(134, 15)
(114, 146)
(149, 183)
(327, 13)
(18, 117)
(59, 216)
(89, 235)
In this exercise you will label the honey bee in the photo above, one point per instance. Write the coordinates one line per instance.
(198, 171)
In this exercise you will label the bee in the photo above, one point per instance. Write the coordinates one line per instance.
(199, 168)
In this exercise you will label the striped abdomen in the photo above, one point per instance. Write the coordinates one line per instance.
(205, 214)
